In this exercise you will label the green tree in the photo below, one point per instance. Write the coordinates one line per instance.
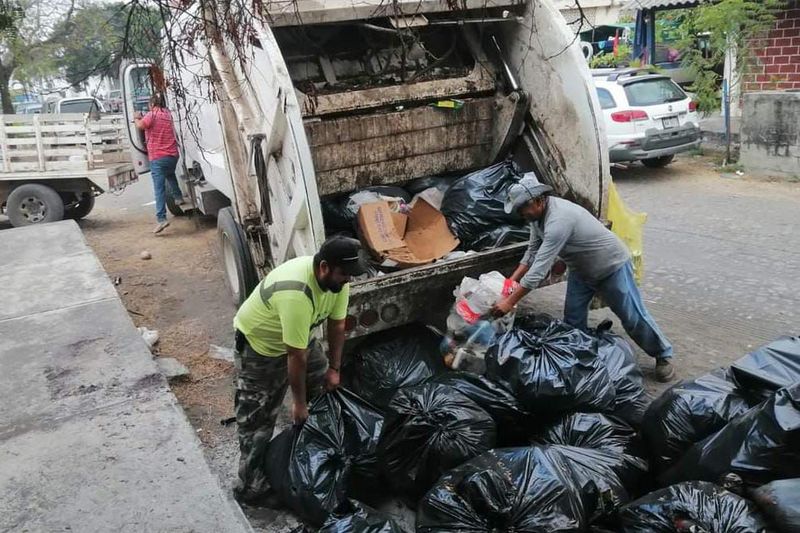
(98, 36)
(728, 26)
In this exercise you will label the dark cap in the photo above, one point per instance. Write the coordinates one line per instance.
(345, 253)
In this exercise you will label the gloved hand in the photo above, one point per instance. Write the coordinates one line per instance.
(509, 286)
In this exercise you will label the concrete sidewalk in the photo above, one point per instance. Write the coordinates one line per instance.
(91, 437)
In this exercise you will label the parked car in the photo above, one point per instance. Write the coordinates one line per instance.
(648, 117)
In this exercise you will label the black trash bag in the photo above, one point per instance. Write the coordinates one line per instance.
(421, 184)
(620, 360)
(338, 218)
(769, 368)
(475, 203)
(689, 412)
(605, 434)
(360, 518)
(779, 501)
(313, 467)
(400, 357)
(590, 430)
(513, 422)
(760, 446)
(704, 506)
(553, 372)
(535, 489)
(429, 429)
(500, 236)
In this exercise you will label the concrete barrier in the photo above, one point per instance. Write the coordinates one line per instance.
(770, 133)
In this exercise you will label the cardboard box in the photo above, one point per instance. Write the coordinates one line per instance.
(404, 241)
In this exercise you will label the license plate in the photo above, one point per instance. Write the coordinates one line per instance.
(670, 122)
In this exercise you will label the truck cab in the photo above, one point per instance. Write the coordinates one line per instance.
(336, 96)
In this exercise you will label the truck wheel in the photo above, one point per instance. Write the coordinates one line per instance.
(658, 162)
(174, 208)
(240, 273)
(33, 203)
(83, 207)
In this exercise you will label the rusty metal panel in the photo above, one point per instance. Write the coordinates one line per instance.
(396, 171)
(359, 151)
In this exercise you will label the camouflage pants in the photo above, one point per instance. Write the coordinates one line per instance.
(261, 385)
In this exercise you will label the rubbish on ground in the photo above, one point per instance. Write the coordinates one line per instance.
(769, 368)
(117, 280)
(620, 361)
(538, 488)
(145, 255)
(595, 431)
(552, 370)
(760, 446)
(429, 429)
(693, 506)
(171, 368)
(397, 358)
(360, 518)
(474, 204)
(314, 467)
(401, 240)
(220, 352)
(513, 422)
(589, 430)
(150, 336)
(689, 412)
(779, 501)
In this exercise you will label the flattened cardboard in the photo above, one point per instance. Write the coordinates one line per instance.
(410, 240)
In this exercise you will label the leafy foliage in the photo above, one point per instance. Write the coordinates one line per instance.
(729, 26)
(622, 59)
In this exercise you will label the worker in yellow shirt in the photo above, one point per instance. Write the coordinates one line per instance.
(275, 349)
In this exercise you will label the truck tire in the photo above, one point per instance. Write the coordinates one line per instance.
(33, 203)
(658, 162)
(174, 208)
(240, 273)
(82, 208)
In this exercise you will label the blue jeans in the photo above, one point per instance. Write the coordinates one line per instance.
(620, 293)
(163, 172)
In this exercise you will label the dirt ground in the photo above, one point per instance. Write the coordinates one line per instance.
(181, 292)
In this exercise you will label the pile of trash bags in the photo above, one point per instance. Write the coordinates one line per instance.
(556, 435)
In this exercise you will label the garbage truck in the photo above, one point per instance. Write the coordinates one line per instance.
(324, 98)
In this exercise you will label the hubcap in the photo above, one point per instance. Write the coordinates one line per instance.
(33, 209)
(230, 265)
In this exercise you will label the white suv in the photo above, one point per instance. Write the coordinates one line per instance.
(648, 116)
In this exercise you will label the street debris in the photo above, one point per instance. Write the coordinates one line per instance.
(145, 255)
(220, 352)
(171, 368)
(360, 518)
(150, 336)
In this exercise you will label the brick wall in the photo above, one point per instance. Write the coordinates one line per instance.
(776, 64)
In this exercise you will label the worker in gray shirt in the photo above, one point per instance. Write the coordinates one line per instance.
(598, 262)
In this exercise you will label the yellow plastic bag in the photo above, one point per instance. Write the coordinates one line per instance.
(628, 226)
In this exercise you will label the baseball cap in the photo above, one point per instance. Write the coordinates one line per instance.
(524, 191)
(345, 253)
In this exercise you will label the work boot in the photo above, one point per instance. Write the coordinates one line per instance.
(161, 227)
(665, 371)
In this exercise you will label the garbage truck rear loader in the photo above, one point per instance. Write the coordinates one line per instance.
(331, 97)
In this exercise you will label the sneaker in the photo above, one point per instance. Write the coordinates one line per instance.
(665, 371)
(161, 227)
(179, 201)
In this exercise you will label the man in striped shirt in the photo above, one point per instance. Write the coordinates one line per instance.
(162, 151)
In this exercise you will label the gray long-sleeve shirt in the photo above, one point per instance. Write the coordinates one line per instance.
(572, 233)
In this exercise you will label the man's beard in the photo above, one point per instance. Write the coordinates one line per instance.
(329, 285)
